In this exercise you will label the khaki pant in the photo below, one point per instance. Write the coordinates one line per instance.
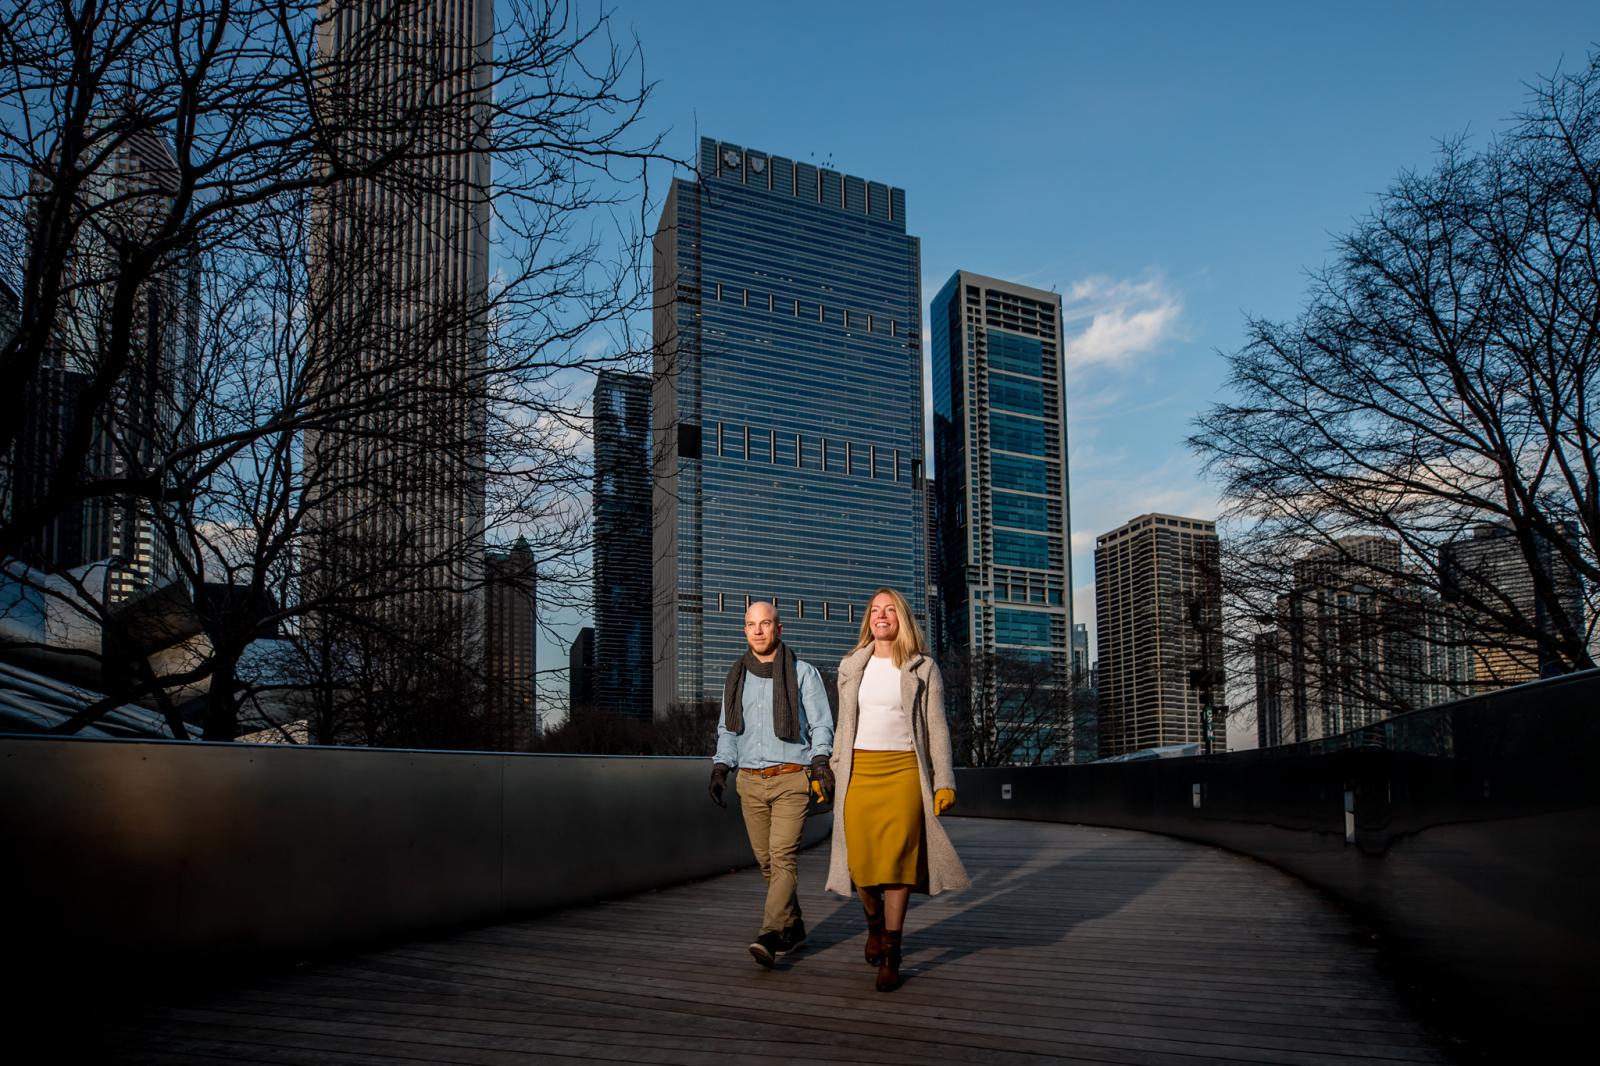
(774, 814)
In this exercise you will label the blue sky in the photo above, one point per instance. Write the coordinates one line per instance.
(1169, 167)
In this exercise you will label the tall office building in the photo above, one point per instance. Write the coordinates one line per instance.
(1158, 606)
(580, 674)
(147, 414)
(1000, 452)
(510, 625)
(1490, 575)
(1080, 654)
(622, 580)
(787, 411)
(394, 472)
(1357, 640)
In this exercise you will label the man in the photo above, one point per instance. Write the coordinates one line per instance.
(775, 721)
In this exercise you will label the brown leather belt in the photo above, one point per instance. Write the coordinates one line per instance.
(774, 771)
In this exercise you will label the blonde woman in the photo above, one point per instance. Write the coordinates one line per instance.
(892, 764)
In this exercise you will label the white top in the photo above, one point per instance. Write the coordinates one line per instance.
(882, 723)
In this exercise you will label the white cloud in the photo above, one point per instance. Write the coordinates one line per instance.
(1125, 319)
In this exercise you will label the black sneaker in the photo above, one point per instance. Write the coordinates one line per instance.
(793, 937)
(766, 948)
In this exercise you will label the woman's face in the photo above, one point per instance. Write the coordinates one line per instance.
(882, 618)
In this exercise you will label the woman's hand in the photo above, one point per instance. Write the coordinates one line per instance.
(943, 800)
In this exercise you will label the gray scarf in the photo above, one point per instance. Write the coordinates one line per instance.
(785, 693)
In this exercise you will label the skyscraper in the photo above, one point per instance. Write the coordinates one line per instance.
(1357, 640)
(510, 623)
(787, 411)
(622, 683)
(580, 674)
(1080, 654)
(1000, 452)
(394, 470)
(1491, 577)
(1158, 606)
(147, 414)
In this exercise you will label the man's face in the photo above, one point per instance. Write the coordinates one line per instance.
(762, 628)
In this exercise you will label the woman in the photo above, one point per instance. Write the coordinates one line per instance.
(891, 759)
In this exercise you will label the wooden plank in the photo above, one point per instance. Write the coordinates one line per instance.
(1074, 944)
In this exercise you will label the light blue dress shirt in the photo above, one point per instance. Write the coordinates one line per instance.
(758, 746)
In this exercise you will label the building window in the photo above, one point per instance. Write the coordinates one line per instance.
(797, 439)
(747, 444)
(721, 430)
(800, 608)
(720, 605)
(824, 454)
(872, 461)
(897, 464)
(849, 460)
(772, 446)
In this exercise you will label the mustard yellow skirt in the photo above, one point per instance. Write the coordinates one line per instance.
(883, 818)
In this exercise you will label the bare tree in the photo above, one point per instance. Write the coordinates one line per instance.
(311, 404)
(1008, 709)
(1436, 390)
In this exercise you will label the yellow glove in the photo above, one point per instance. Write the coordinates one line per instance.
(943, 800)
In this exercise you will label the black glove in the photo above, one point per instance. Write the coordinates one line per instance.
(822, 774)
(719, 781)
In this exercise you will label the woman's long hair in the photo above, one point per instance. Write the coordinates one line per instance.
(909, 642)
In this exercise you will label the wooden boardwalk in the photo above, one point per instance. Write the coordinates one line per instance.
(1073, 945)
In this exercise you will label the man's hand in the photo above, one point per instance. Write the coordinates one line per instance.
(943, 800)
(822, 778)
(719, 781)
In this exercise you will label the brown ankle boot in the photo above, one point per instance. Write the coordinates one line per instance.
(889, 969)
(875, 938)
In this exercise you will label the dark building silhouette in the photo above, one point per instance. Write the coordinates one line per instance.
(580, 674)
(622, 652)
(510, 627)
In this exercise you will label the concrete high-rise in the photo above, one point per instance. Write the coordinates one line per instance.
(622, 579)
(147, 413)
(1492, 578)
(1158, 607)
(787, 414)
(510, 624)
(1000, 454)
(394, 473)
(1357, 640)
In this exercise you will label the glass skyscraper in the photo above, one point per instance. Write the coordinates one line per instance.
(787, 409)
(622, 682)
(1000, 455)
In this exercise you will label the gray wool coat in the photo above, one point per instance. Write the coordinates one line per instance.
(922, 689)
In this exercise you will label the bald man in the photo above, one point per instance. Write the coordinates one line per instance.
(775, 722)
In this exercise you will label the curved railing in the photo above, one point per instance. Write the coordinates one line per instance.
(1468, 833)
(126, 855)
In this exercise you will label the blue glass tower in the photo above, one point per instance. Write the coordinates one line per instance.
(1000, 455)
(787, 410)
(622, 682)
